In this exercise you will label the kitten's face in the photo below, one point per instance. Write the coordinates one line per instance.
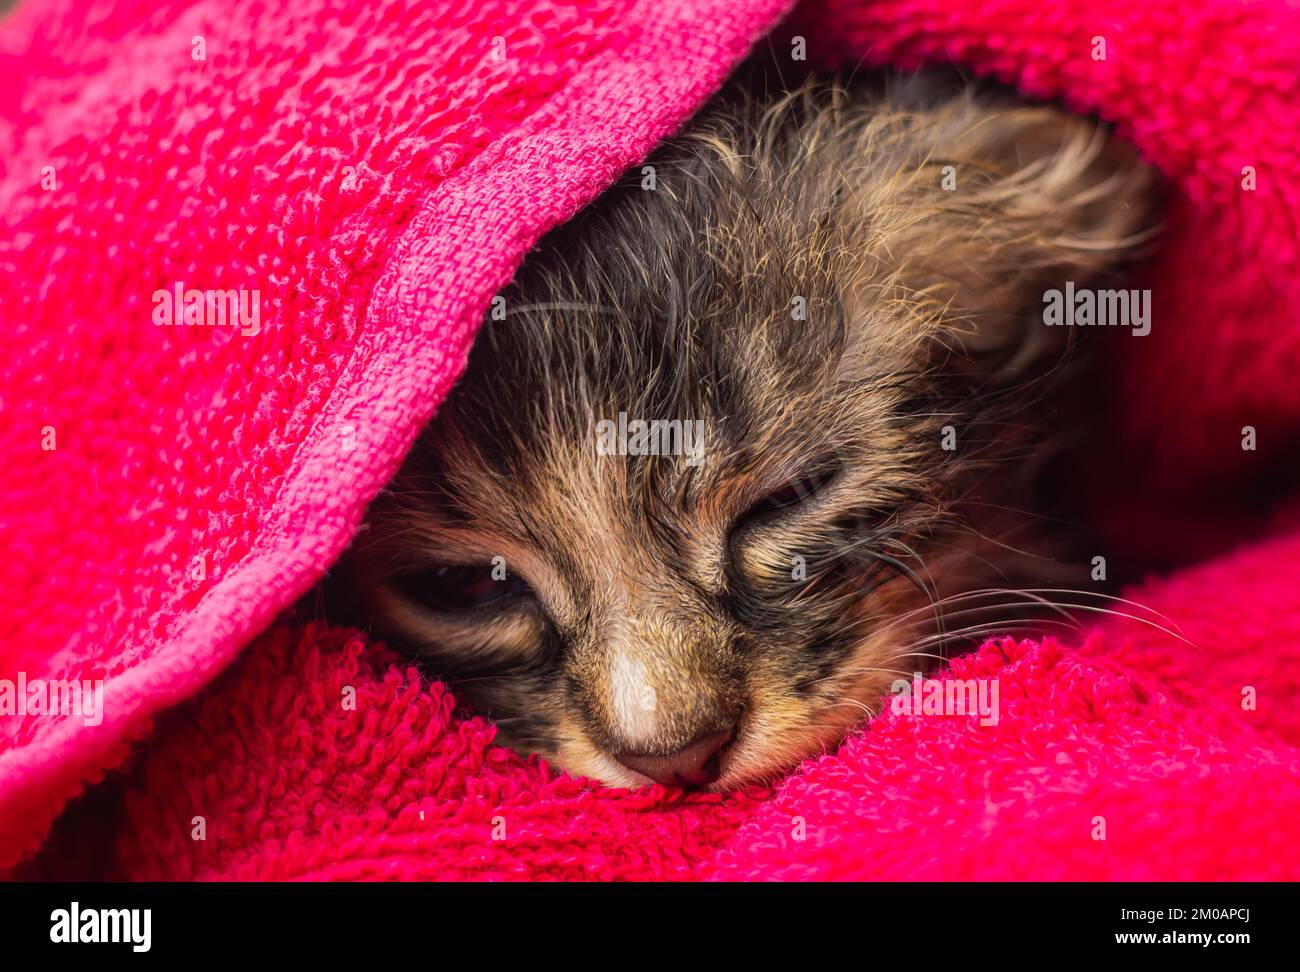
(651, 602)
(716, 614)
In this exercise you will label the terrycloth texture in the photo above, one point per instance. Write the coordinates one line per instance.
(1138, 729)
(376, 173)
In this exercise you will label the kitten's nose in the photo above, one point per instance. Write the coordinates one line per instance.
(695, 764)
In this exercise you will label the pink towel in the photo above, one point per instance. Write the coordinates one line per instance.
(373, 173)
(1128, 759)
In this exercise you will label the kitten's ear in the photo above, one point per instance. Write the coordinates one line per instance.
(1001, 205)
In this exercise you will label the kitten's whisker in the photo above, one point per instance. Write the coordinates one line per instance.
(561, 305)
(854, 670)
(910, 652)
(934, 585)
(1064, 607)
(1005, 546)
(932, 595)
(914, 614)
(1034, 595)
(849, 672)
(1027, 514)
(1104, 597)
(854, 702)
(991, 629)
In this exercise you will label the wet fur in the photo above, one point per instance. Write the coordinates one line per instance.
(650, 578)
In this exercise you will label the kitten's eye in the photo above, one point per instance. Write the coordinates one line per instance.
(809, 483)
(460, 588)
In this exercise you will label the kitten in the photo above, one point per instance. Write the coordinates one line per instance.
(842, 340)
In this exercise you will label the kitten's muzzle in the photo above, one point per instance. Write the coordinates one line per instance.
(694, 765)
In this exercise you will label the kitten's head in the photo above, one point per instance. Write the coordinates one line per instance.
(837, 334)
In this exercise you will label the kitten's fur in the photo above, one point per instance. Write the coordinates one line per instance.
(654, 608)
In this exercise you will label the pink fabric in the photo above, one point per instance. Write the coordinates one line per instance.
(1135, 732)
(377, 174)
